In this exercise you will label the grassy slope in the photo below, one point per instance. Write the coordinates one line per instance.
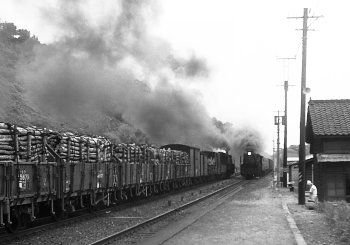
(16, 46)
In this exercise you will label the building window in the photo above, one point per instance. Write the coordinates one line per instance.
(336, 147)
(336, 187)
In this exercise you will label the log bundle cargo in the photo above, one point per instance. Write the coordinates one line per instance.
(30, 144)
(80, 148)
(23, 143)
(148, 154)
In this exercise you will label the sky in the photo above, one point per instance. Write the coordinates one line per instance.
(243, 44)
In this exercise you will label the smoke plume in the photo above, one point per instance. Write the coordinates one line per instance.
(109, 76)
(240, 139)
(98, 74)
(189, 68)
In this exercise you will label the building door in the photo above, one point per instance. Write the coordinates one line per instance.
(336, 187)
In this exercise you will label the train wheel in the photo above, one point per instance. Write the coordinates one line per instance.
(15, 223)
(25, 220)
(100, 205)
(59, 213)
(55, 217)
(91, 208)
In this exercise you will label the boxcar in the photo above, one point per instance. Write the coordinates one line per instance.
(194, 155)
(210, 158)
(204, 164)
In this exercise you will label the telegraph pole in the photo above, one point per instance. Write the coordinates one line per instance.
(301, 192)
(301, 186)
(278, 149)
(273, 160)
(285, 135)
(285, 123)
(285, 155)
(277, 122)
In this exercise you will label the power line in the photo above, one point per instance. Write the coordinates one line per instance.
(314, 21)
(286, 59)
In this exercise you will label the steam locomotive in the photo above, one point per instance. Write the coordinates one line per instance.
(255, 165)
(48, 173)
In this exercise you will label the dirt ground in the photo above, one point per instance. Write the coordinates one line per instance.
(253, 216)
(313, 224)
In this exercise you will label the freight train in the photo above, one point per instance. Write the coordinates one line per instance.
(255, 165)
(48, 173)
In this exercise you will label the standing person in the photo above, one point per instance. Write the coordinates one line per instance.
(312, 191)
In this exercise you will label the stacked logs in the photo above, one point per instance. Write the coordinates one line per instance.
(147, 154)
(80, 148)
(130, 153)
(7, 147)
(30, 144)
(23, 143)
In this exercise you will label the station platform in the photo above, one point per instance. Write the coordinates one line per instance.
(255, 215)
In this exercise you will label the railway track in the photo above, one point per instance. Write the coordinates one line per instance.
(39, 229)
(220, 195)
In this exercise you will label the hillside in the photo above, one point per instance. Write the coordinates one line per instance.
(18, 49)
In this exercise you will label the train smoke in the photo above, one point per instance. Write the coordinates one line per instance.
(240, 139)
(171, 114)
(109, 76)
(191, 67)
(100, 73)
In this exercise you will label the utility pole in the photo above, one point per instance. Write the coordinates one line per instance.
(285, 155)
(285, 122)
(301, 186)
(273, 159)
(302, 181)
(285, 136)
(277, 122)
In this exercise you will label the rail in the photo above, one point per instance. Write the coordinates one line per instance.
(114, 236)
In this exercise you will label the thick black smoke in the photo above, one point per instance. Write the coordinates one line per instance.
(110, 77)
(99, 74)
(189, 68)
(240, 139)
(171, 114)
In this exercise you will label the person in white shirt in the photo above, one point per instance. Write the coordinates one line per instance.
(312, 191)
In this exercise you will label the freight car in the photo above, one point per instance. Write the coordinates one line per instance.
(206, 164)
(255, 165)
(219, 163)
(44, 172)
(227, 167)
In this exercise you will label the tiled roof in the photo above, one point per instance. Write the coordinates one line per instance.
(330, 117)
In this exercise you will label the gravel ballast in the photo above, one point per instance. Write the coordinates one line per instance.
(109, 222)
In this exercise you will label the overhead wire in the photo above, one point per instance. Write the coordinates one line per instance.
(313, 8)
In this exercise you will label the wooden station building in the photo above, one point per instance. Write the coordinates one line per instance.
(328, 133)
